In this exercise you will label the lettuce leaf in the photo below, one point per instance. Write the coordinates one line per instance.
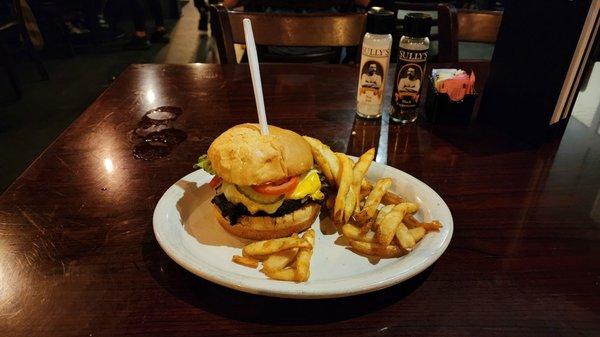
(205, 164)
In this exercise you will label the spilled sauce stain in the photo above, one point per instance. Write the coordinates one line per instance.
(156, 135)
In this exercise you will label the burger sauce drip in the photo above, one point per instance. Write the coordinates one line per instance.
(156, 135)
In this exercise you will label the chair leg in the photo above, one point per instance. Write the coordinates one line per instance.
(9, 66)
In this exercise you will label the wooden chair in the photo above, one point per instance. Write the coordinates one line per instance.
(290, 30)
(26, 26)
(464, 25)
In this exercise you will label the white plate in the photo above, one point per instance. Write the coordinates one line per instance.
(186, 229)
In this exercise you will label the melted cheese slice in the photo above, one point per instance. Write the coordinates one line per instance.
(310, 185)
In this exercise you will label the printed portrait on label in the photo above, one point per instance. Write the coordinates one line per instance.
(371, 75)
(409, 83)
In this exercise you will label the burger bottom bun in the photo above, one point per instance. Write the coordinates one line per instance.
(266, 227)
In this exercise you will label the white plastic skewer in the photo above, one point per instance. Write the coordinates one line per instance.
(255, 73)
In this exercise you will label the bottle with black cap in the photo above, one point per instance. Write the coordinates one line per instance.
(410, 69)
(374, 62)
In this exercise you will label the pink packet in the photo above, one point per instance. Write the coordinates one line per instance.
(456, 88)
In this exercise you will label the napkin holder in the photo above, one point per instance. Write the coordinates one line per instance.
(439, 108)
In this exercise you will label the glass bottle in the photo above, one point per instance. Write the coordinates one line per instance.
(374, 62)
(410, 69)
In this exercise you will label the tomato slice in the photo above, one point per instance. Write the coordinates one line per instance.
(216, 181)
(278, 188)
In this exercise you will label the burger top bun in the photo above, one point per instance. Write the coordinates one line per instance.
(242, 156)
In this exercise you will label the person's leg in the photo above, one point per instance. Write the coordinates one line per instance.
(139, 40)
(114, 12)
(201, 4)
(90, 17)
(99, 6)
(203, 10)
(160, 35)
(157, 14)
(136, 10)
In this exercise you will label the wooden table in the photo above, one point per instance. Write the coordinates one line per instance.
(78, 255)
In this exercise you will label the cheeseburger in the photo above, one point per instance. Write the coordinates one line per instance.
(266, 184)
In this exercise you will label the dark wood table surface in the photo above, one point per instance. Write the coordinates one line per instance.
(78, 256)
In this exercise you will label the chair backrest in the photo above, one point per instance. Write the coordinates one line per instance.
(478, 26)
(464, 25)
(28, 24)
(275, 29)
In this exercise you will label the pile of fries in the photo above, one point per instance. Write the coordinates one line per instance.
(387, 231)
(285, 259)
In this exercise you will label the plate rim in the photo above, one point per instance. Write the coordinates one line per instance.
(295, 294)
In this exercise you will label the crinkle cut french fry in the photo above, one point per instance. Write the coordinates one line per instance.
(373, 199)
(303, 259)
(275, 245)
(344, 187)
(354, 233)
(280, 260)
(375, 249)
(245, 261)
(404, 237)
(417, 233)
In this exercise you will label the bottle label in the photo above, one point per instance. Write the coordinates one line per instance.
(409, 77)
(371, 79)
